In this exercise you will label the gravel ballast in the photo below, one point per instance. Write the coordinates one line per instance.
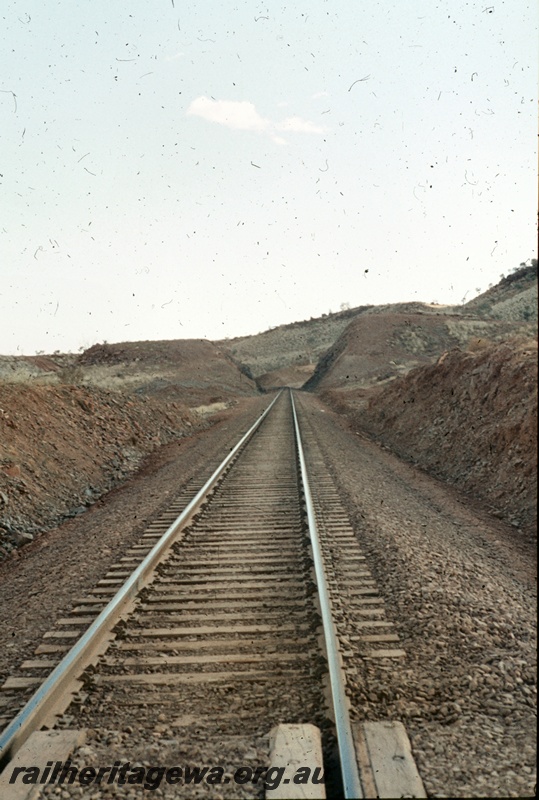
(460, 587)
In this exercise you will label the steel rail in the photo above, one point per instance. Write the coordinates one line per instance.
(349, 768)
(79, 656)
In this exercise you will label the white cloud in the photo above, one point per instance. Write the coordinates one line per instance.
(243, 116)
(298, 125)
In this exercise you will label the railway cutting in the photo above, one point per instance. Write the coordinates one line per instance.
(223, 642)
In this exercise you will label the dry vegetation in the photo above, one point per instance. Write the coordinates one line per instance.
(298, 344)
(455, 394)
(72, 426)
(471, 420)
(63, 447)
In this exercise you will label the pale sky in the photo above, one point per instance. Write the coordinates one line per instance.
(175, 169)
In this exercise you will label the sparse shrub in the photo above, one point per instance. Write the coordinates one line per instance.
(478, 343)
(72, 375)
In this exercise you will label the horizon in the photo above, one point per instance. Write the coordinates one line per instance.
(228, 339)
(206, 173)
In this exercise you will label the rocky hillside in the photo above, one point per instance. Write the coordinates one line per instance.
(288, 346)
(191, 371)
(514, 298)
(456, 393)
(291, 354)
(188, 368)
(63, 447)
(294, 376)
(379, 347)
(469, 419)
(384, 342)
(74, 426)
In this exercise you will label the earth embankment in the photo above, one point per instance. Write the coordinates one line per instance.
(470, 419)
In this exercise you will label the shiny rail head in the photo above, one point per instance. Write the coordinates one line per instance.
(347, 752)
(30, 716)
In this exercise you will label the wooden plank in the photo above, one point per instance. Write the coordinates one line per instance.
(366, 612)
(386, 654)
(213, 658)
(41, 747)
(19, 683)
(230, 544)
(210, 605)
(394, 769)
(293, 747)
(212, 596)
(350, 563)
(89, 601)
(380, 637)
(364, 601)
(210, 581)
(265, 549)
(51, 648)
(227, 572)
(121, 577)
(185, 720)
(279, 555)
(176, 678)
(363, 761)
(207, 630)
(215, 644)
(214, 618)
(350, 558)
(234, 536)
(370, 623)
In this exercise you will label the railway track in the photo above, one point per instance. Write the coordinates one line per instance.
(244, 607)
